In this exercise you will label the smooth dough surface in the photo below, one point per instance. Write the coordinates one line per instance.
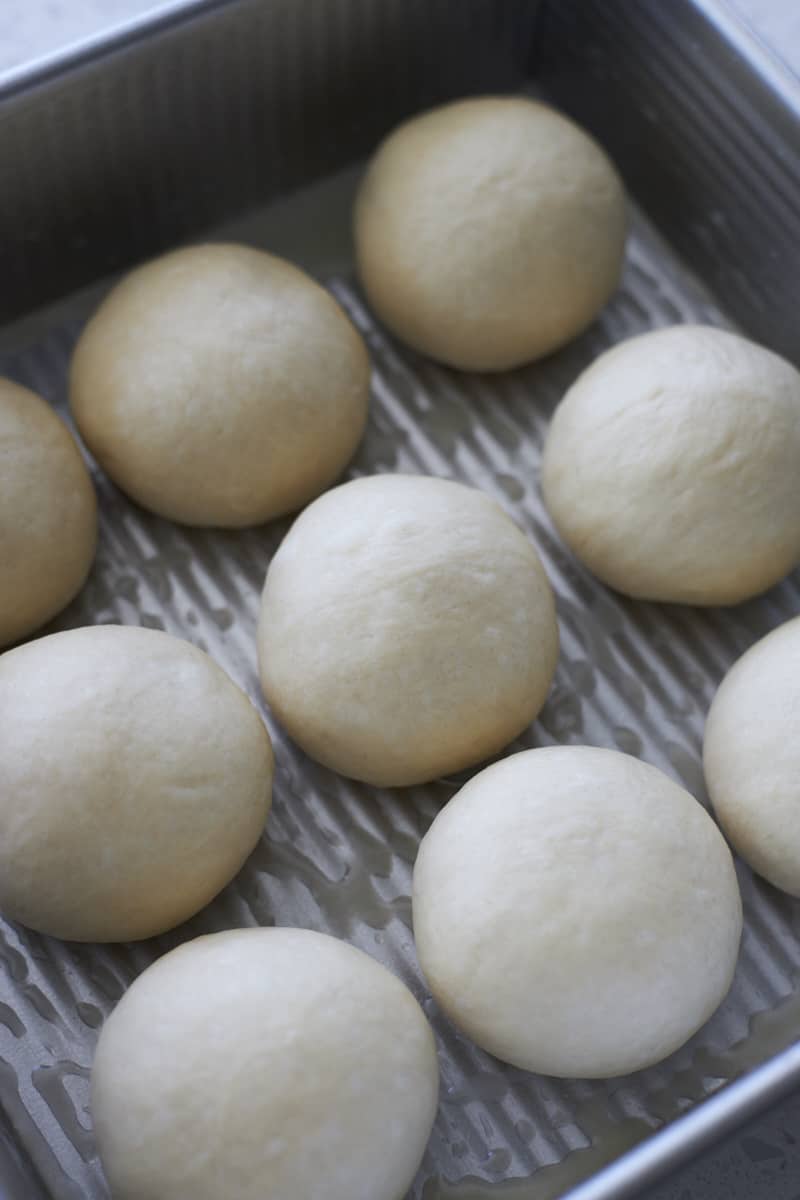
(135, 778)
(489, 231)
(407, 629)
(576, 912)
(219, 385)
(264, 1064)
(48, 514)
(751, 756)
(671, 467)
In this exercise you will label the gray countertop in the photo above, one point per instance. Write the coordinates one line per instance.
(777, 22)
(763, 1161)
(32, 28)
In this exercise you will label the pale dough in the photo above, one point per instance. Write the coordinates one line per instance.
(407, 629)
(576, 912)
(264, 1064)
(135, 778)
(219, 385)
(489, 231)
(751, 755)
(48, 514)
(671, 467)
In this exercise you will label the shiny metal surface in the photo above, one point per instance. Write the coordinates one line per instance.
(704, 122)
(337, 855)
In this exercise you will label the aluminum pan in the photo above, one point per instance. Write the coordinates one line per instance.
(338, 855)
(346, 848)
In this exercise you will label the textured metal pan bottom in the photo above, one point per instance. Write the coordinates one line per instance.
(337, 856)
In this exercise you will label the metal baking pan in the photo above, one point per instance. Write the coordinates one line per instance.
(201, 122)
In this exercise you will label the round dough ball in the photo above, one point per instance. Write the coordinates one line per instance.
(135, 778)
(751, 755)
(489, 232)
(576, 912)
(407, 629)
(219, 385)
(48, 514)
(671, 467)
(264, 1064)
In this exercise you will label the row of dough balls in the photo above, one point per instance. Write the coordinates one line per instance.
(600, 932)
(669, 467)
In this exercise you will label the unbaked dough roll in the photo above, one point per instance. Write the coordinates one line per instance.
(48, 514)
(751, 755)
(489, 231)
(219, 385)
(576, 912)
(264, 1064)
(135, 778)
(407, 629)
(671, 466)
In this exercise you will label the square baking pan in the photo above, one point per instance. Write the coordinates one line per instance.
(248, 120)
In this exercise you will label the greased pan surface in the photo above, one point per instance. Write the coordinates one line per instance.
(338, 855)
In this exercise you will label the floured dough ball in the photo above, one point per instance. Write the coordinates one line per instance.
(576, 912)
(135, 778)
(219, 385)
(48, 514)
(489, 232)
(407, 629)
(264, 1064)
(671, 467)
(751, 755)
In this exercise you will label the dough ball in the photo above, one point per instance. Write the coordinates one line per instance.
(264, 1064)
(751, 755)
(576, 912)
(489, 232)
(407, 629)
(671, 467)
(219, 385)
(48, 514)
(135, 778)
